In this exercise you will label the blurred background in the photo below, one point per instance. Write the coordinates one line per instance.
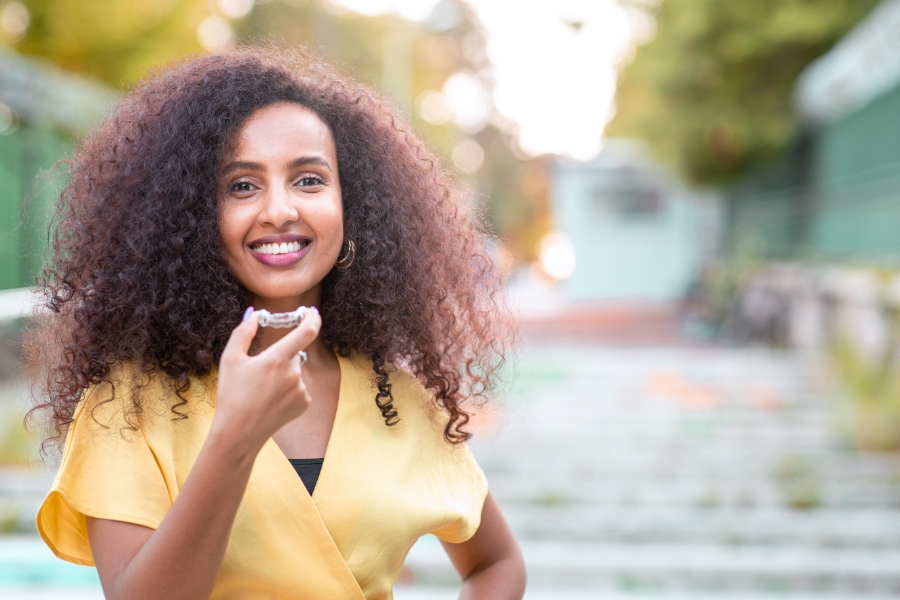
(696, 204)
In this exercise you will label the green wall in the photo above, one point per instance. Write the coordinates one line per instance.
(835, 195)
(766, 209)
(857, 182)
(27, 157)
(865, 143)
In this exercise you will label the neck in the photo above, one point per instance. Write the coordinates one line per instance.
(318, 352)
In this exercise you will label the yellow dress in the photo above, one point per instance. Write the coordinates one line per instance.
(380, 489)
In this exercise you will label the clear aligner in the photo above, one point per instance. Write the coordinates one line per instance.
(281, 320)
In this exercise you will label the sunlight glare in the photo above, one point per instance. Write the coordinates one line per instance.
(554, 63)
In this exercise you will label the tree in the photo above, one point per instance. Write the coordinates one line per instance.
(712, 91)
(112, 40)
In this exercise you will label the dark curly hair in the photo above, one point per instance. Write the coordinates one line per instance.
(136, 274)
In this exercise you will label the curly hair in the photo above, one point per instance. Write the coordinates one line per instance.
(136, 274)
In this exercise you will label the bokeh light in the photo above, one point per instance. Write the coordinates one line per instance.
(235, 9)
(15, 18)
(215, 33)
(414, 10)
(468, 100)
(432, 107)
(556, 255)
(468, 156)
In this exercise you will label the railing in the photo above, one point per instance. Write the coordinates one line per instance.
(16, 304)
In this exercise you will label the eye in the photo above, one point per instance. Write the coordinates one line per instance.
(310, 181)
(242, 186)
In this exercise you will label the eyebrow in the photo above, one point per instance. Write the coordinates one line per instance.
(309, 160)
(302, 161)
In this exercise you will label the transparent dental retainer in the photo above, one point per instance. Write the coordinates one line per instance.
(281, 320)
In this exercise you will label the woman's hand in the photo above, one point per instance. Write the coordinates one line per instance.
(257, 395)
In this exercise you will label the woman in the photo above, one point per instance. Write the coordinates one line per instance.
(261, 179)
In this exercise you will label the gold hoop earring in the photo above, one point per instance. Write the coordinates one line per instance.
(347, 260)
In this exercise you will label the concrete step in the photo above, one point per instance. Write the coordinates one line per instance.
(415, 592)
(679, 567)
(43, 592)
(561, 571)
(875, 528)
(710, 493)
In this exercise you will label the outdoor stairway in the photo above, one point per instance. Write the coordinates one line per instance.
(684, 471)
(675, 473)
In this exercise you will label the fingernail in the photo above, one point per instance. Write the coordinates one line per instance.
(314, 309)
(247, 313)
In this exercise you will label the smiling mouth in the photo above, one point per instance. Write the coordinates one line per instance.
(282, 248)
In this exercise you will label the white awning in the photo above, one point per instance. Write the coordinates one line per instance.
(41, 93)
(861, 67)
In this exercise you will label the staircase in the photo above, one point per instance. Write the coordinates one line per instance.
(681, 472)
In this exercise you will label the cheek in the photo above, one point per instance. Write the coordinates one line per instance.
(332, 226)
(231, 230)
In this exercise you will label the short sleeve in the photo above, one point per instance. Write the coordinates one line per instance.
(107, 472)
(465, 489)
(452, 485)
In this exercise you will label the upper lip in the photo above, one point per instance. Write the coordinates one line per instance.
(279, 238)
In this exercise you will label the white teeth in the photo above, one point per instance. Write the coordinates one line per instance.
(282, 248)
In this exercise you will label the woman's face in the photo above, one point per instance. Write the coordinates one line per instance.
(280, 211)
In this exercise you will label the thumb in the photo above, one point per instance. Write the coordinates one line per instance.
(242, 335)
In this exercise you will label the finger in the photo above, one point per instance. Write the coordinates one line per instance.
(299, 338)
(242, 336)
(305, 398)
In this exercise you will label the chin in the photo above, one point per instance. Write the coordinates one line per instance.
(284, 292)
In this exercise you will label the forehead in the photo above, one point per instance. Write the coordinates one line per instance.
(284, 128)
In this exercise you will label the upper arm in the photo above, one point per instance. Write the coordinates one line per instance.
(114, 544)
(493, 542)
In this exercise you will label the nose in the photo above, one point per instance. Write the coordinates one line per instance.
(278, 208)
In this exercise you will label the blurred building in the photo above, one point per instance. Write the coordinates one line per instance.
(830, 209)
(41, 108)
(836, 192)
(637, 234)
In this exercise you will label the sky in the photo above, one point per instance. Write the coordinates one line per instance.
(554, 64)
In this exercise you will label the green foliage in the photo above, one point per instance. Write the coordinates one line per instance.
(12, 521)
(112, 40)
(17, 447)
(873, 388)
(712, 92)
(798, 482)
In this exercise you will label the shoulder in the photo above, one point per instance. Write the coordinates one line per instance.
(419, 412)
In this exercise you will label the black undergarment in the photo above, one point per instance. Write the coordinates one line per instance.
(308, 469)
